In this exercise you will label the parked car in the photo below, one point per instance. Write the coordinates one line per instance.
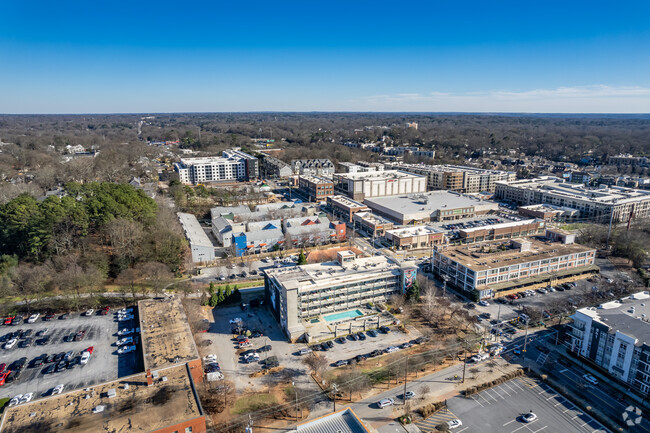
(372, 333)
(375, 353)
(341, 362)
(26, 398)
(8, 320)
(89, 312)
(341, 340)
(384, 329)
(50, 369)
(79, 336)
(64, 316)
(483, 303)
(409, 395)
(127, 340)
(69, 355)
(126, 349)
(361, 336)
(385, 402)
(26, 333)
(41, 332)
(454, 423)
(27, 342)
(33, 318)
(104, 311)
(125, 331)
(58, 389)
(305, 351)
(49, 316)
(391, 349)
(85, 357)
(15, 400)
(11, 343)
(529, 417)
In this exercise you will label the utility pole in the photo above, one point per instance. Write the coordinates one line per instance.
(295, 390)
(406, 372)
(609, 230)
(464, 364)
(335, 390)
(523, 353)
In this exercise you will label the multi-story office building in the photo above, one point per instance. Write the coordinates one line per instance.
(360, 186)
(234, 165)
(468, 180)
(313, 167)
(499, 268)
(595, 204)
(315, 188)
(299, 294)
(430, 206)
(616, 337)
(345, 208)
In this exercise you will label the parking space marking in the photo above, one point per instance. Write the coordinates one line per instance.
(524, 426)
(477, 402)
(538, 430)
(509, 422)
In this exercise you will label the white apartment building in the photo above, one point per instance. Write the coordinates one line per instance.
(597, 204)
(234, 165)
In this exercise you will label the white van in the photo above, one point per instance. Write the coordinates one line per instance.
(385, 402)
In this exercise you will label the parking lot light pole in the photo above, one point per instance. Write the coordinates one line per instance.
(295, 390)
(406, 373)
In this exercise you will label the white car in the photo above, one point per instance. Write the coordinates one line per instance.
(385, 402)
(305, 351)
(89, 312)
(85, 356)
(16, 400)
(484, 303)
(210, 358)
(126, 349)
(125, 332)
(454, 423)
(125, 311)
(529, 417)
(125, 340)
(124, 318)
(11, 343)
(33, 318)
(409, 395)
(58, 389)
(589, 378)
(235, 321)
(391, 349)
(26, 398)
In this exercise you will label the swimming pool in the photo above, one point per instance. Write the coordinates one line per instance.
(343, 315)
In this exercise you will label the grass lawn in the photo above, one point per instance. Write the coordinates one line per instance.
(240, 284)
(252, 403)
(3, 403)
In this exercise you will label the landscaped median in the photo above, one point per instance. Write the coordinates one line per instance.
(486, 385)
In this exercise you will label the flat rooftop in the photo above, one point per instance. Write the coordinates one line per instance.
(489, 255)
(140, 408)
(345, 201)
(448, 168)
(315, 179)
(193, 230)
(372, 218)
(629, 315)
(328, 274)
(378, 175)
(500, 225)
(424, 204)
(414, 231)
(166, 335)
(606, 195)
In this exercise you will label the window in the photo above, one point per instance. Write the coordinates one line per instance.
(188, 429)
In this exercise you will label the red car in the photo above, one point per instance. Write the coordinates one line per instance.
(90, 349)
(104, 311)
(3, 376)
(9, 319)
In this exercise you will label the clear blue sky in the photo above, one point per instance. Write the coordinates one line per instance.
(434, 55)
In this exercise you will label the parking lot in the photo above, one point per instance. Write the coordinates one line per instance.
(346, 348)
(104, 363)
(499, 410)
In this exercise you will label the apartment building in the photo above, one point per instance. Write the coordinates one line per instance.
(276, 168)
(499, 268)
(234, 165)
(312, 167)
(596, 204)
(615, 336)
(315, 188)
(299, 294)
(360, 186)
(458, 178)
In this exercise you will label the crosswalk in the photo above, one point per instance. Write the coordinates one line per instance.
(440, 417)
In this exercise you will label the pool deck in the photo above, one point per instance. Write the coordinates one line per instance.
(344, 316)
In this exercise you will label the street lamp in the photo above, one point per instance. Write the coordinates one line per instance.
(445, 278)
(295, 390)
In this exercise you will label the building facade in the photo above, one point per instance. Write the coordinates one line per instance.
(345, 208)
(495, 269)
(234, 165)
(596, 204)
(371, 224)
(360, 186)
(614, 336)
(315, 188)
(275, 168)
(200, 244)
(413, 238)
(302, 293)
(458, 178)
(496, 232)
(313, 167)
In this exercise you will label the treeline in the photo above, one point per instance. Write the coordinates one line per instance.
(97, 231)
